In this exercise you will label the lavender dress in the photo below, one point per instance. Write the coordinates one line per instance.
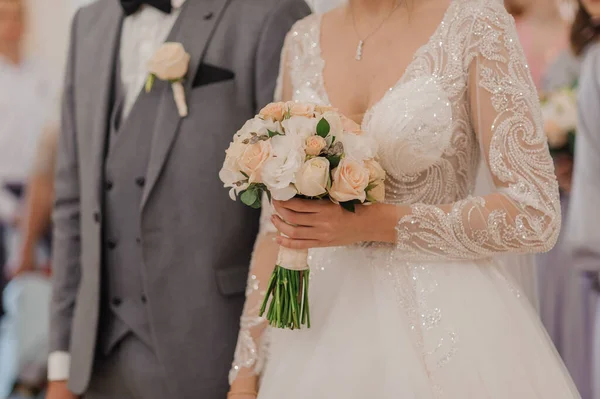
(567, 300)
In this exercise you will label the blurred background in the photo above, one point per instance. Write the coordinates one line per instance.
(33, 43)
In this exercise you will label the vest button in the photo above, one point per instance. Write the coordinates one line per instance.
(116, 301)
(97, 217)
(140, 181)
(108, 185)
(111, 244)
(144, 299)
(208, 16)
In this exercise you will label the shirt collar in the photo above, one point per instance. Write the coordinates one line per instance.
(176, 4)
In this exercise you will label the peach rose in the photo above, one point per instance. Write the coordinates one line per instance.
(350, 179)
(312, 179)
(300, 109)
(169, 62)
(273, 111)
(321, 109)
(314, 145)
(253, 158)
(376, 172)
(377, 193)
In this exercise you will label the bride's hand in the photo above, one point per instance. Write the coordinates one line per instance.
(314, 224)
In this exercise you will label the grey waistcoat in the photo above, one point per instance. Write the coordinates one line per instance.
(125, 165)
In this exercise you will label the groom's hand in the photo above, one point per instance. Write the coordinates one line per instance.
(59, 390)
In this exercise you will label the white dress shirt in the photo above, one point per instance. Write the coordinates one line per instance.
(142, 34)
(26, 102)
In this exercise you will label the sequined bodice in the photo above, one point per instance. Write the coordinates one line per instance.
(426, 141)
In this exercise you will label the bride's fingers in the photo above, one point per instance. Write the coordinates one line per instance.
(299, 205)
(295, 232)
(298, 244)
(300, 219)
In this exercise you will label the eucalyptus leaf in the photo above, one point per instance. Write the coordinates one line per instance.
(249, 196)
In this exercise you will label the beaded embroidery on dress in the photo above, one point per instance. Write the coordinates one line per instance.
(432, 316)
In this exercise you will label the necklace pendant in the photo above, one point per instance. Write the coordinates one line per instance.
(359, 50)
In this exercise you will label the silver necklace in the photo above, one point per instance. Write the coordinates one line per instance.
(362, 41)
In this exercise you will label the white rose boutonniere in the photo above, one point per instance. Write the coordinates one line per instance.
(170, 63)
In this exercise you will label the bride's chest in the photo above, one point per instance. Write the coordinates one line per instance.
(420, 122)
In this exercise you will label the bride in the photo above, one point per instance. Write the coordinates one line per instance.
(408, 299)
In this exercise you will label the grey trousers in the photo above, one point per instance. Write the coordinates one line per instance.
(131, 371)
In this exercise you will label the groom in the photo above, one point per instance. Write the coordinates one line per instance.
(150, 255)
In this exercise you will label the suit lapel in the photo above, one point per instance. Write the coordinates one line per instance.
(101, 87)
(194, 29)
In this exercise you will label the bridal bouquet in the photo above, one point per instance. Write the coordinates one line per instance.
(559, 112)
(305, 151)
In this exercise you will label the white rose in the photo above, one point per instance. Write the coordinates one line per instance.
(312, 179)
(300, 126)
(259, 126)
(350, 179)
(279, 172)
(169, 62)
(335, 123)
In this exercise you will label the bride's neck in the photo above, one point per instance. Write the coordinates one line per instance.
(373, 7)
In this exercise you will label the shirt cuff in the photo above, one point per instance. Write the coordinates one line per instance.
(58, 366)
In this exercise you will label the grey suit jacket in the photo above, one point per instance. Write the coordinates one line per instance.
(196, 241)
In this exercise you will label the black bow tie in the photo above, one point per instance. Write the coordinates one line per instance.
(131, 6)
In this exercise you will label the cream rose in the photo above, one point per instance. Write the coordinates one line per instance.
(274, 111)
(169, 62)
(336, 127)
(377, 193)
(350, 179)
(253, 158)
(312, 179)
(314, 145)
(376, 172)
(301, 109)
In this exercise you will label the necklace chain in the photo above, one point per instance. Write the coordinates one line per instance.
(362, 40)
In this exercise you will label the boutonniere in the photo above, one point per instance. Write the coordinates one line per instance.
(170, 63)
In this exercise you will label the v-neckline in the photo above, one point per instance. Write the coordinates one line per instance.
(400, 81)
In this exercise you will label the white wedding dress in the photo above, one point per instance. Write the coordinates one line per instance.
(433, 316)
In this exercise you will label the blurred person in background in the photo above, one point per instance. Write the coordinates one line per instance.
(583, 234)
(24, 328)
(25, 102)
(564, 302)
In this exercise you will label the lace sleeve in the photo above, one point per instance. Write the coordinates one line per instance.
(523, 214)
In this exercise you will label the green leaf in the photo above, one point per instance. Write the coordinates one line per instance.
(257, 204)
(371, 186)
(250, 196)
(150, 82)
(269, 195)
(334, 160)
(273, 134)
(245, 175)
(349, 206)
(323, 128)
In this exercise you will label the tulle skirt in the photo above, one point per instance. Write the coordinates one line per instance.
(386, 328)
